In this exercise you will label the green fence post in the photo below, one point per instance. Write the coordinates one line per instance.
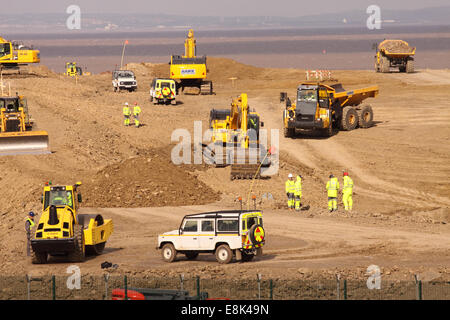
(125, 281)
(419, 285)
(53, 288)
(345, 289)
(198, 287)
(271, 289)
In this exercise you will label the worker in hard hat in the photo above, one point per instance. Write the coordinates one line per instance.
(290, 191)
(298, 193)
(136, 112)
(347, 192)
(332, 190)
(29, 224)
(126, 114)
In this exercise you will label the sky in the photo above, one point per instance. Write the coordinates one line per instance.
(288, 8)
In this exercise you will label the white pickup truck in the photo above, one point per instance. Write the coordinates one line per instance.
(124, 80)
(224, 233)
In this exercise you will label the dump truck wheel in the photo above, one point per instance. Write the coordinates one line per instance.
(95, 249)
(224, 254)
(168, 252)
(384, 64)
(38, 257)
(410, 66)
(289, 132)
(402, 69)
(191, 255)
(78, 254)
(349, 119)
(365, 117)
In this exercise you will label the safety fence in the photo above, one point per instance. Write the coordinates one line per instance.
(101, 287)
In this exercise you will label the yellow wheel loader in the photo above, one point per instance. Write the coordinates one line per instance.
(62, 231)
(394, 54)
(236, 140)
(15, 54)
(16, 136)
(323, 108)
(190, 70)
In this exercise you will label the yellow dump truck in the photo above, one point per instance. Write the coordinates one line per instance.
(323, 108)
(394, 54)
(62, 231)
(16, 135)
(190, 70)
(14, 54)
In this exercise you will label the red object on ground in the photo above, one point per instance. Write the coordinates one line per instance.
(119, 294)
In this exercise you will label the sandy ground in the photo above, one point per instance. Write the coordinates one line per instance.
(400, 168)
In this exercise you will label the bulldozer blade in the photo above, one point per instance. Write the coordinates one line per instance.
(15, 143)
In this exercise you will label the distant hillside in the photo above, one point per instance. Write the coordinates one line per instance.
(140, 22)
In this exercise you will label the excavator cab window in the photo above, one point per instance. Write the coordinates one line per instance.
(5, 49)
(307, 95)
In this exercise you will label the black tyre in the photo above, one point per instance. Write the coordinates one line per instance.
(168, 252)
(365, 117)
(289, 132)
(95, 249)
(191, 255)
(349, 119)
(410, 66)
(384, 64)
(38, 257)
(402, 69)
(224, 254)
(256, 234)
(78, 255)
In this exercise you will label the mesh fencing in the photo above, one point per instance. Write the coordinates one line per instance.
(90, 287)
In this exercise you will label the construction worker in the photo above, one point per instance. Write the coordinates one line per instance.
(332, 190)
(298, 193)
(29, 224)
(126, 114)
(347, 192)
(136, 112)
(290, 191)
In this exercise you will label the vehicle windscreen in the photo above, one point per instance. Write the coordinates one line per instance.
(11, 105)
(165, 85)
(307, 101)
(58, 198)
(126, 75)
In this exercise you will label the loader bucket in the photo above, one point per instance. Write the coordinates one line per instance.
(29, 142)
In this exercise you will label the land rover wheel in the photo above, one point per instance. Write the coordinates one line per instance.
(256, 234)
(168, 252)
(224, 254)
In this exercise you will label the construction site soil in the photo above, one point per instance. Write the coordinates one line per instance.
(400, 168)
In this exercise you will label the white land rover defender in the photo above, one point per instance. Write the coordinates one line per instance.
(124, 80)
(223, 233)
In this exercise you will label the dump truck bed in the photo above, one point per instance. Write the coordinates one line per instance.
(396, 48)
(355, 97)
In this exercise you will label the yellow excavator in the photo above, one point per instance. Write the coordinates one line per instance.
(15, 54)
(190, 70)
(236, 140)
(16, 135)
(62, 231)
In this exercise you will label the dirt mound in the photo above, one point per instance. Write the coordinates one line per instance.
(147, 181)
(397, 46)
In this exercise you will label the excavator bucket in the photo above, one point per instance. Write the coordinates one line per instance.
(28, 142)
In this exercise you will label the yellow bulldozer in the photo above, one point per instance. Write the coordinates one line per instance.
(321, 107)
(62, 231)
(236, 140)
(190, 70)
(16, 135)
(14, 54)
